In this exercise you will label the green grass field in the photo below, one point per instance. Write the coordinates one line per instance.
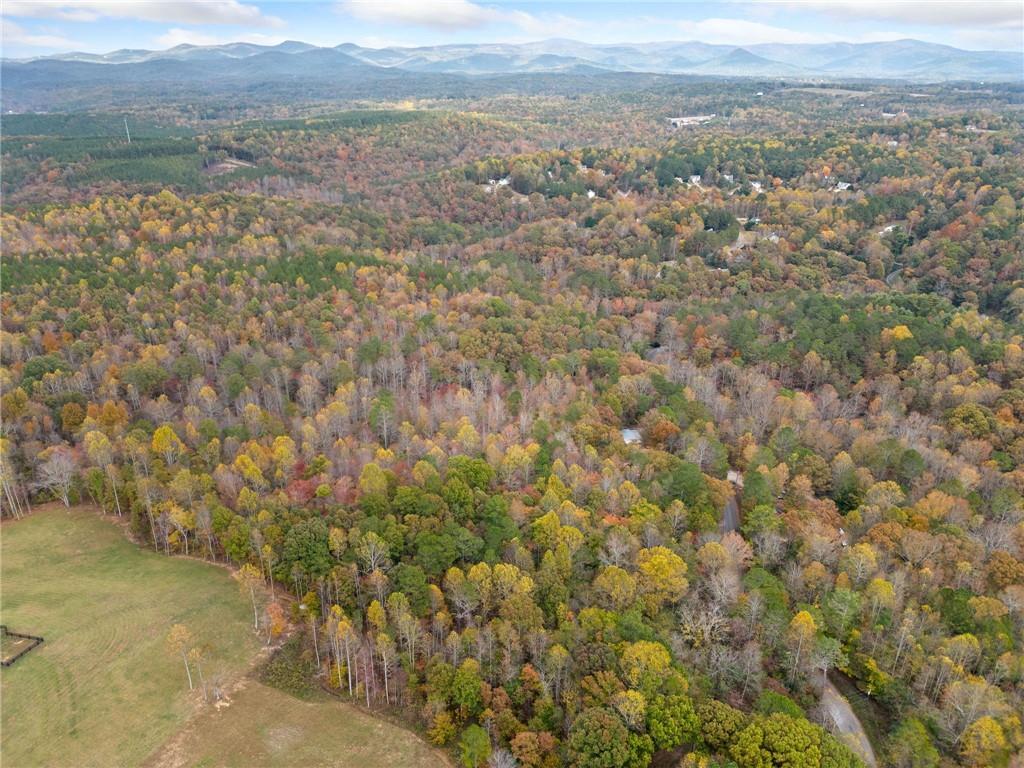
(102, 689)
(263, 727)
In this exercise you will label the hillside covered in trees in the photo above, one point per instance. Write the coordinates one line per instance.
(576, 439)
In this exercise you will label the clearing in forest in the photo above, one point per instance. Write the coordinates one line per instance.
(103, 689)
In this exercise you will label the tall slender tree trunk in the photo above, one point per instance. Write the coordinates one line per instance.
(353, 670)
(348, 666)
(796, 661)
(255, 615)
(899, 649)
(368, 674)
(12, 500)
(316, 645)
(202, 680)
(152, 523)
(188, 671)
(113, 487)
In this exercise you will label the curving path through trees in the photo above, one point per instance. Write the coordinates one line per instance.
(833, 703)
(847, 723)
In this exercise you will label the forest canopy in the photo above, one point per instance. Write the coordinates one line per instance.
(578, 439)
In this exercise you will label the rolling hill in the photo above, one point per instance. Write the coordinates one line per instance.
(900, 59)
(353, 71)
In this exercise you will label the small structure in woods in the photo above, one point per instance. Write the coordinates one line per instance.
(688, 120)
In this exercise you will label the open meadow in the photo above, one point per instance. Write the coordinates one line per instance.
(103, 690)
(265, 727)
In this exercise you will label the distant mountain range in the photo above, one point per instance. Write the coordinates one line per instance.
(240, 74)
(901, 59)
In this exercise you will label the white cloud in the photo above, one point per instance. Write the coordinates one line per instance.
(989, 39)
(741, 32)
(975, 13)
(16, 35)
(178, 36)
(449, 15)
(379, 41)
(971, 24)
(172, 11)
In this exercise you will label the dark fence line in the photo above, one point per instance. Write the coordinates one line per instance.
(36, 640)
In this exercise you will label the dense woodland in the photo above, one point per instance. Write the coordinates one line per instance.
(381, 361)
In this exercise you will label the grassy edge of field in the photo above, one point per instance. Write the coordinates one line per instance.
(286, 673)
(102, 686)
(104, 538)
(447, 755)
(315, 692)
(266, 727)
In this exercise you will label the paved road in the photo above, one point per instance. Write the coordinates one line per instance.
(847, 724)
(730, 517)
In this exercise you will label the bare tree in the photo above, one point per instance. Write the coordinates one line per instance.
(57, 473)
(179, 641)
(501, 758)
(15, 500)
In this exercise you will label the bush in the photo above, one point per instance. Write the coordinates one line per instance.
(291, 669)
(770, 702)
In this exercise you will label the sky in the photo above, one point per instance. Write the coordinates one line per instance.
(42, 27)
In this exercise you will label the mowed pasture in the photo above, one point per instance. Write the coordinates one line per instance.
(103, 690)
(267, 728)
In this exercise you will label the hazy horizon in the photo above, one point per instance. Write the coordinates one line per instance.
(497, 43)
(33, 28)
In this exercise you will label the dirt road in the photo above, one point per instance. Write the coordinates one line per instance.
(730, 517)
(847, 724)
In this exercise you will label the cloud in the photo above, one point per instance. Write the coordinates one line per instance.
(15, 34)
(378, 41)
(444, 15)
(971, 24)
(178, 36)
(989, 39)
(953, 13)
(741, 32)
(171, 11)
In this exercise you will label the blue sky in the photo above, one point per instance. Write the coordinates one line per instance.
(39, 27)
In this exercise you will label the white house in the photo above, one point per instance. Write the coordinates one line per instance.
(682, 122)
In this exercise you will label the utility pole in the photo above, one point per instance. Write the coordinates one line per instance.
(127, 133)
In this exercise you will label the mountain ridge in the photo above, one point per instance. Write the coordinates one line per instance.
(905, 59)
